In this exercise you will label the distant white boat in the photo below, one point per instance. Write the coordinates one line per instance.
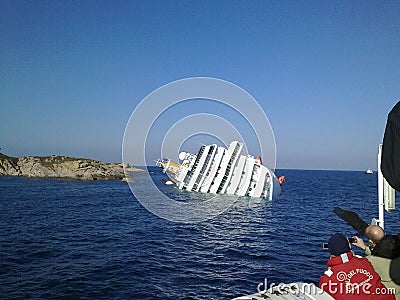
(369, 171)
(218, 170)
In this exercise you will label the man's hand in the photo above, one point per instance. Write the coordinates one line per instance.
(360, 243)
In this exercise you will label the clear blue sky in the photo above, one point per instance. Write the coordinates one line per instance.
(325, 72)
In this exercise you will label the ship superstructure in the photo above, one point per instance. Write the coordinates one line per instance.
(218, 170)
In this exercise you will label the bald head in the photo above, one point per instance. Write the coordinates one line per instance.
(374, 233)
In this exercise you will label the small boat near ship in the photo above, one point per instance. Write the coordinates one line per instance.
(217, 170)
(168, 182)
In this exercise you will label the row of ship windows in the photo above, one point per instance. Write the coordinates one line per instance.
(189, 175)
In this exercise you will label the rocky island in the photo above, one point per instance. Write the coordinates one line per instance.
(62, 167)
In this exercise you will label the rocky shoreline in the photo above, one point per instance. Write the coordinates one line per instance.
(62, 167)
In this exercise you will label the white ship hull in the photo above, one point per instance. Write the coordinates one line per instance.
(222, 171)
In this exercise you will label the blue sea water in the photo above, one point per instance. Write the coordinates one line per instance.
(67, 239)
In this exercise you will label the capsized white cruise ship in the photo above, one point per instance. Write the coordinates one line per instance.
(218, 170)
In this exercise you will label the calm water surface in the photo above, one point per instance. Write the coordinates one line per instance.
(66, 239)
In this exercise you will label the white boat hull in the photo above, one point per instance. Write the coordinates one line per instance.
(218, 170)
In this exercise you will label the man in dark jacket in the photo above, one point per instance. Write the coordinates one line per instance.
(381, 258)
(350, 276)
(385, 245)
